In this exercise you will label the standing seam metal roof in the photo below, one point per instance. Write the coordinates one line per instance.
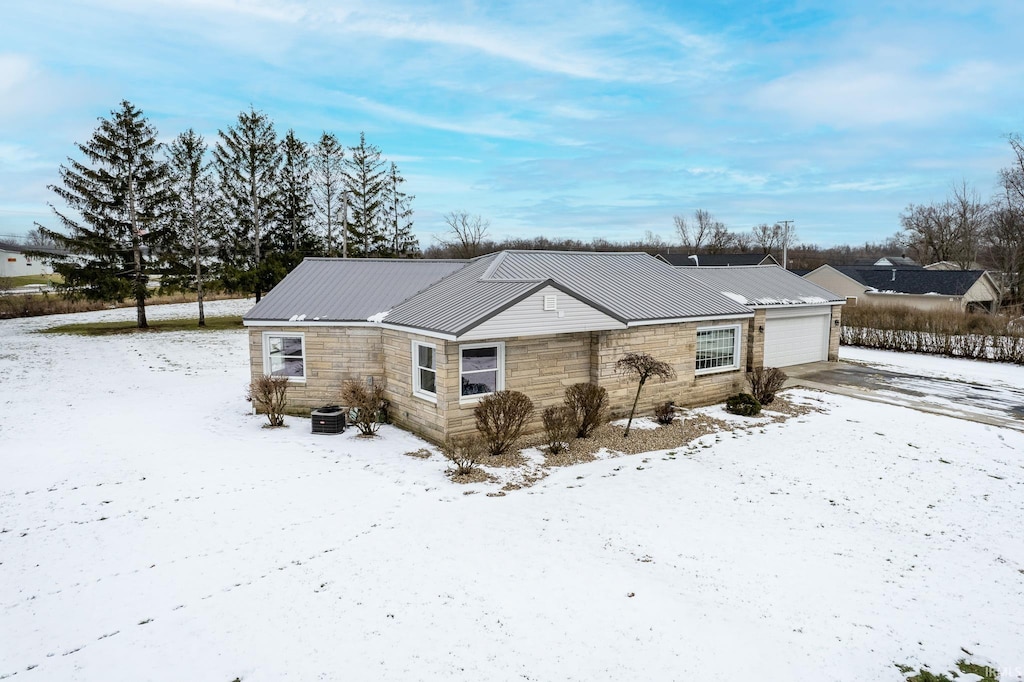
(763, 285)
(632, 287)
(351, 289)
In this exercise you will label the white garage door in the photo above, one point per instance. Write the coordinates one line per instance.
(795, 336)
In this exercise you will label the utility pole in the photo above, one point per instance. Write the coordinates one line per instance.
(785, 241)
(344, 224)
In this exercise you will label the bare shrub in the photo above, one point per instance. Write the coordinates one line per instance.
(559, 428)
(589, 403)
(500, 418)
(765, 382)
(643, 367)
(366, 402)
(270, 395)
(665, 412)
(464, 452)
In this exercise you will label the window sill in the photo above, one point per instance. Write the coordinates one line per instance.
(716, 370)
(473, 399)
(428, 397)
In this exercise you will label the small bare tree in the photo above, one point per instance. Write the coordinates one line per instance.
(695, 233)
(367, 401)
(270, 395)
(466, 233)
(766, 236)
(643, 367)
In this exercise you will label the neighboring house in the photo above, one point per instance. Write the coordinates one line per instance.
(793, 318)
(718, 259)
(443, 334)
(950, 265)
(14, 262)
(888, 262)
(915, 287)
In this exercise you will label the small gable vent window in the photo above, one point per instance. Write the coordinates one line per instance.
(550, 302)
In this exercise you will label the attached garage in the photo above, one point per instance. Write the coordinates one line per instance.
(793, 336)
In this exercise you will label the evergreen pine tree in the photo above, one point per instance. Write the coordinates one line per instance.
(365, 181)
(120, 191)
(328, 184)
(401, 242)
(294, 236)
(198, 218)
(247, 159)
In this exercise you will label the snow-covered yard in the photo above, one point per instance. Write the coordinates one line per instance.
(151, 530)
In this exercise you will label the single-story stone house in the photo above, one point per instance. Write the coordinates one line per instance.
(443, 334)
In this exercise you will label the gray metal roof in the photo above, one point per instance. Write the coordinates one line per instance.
(348, 289)
(630, 287)
(763, 285)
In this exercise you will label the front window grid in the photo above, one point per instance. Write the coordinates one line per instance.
(716, 348)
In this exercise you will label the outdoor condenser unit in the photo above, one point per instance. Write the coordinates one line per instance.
(328, 419)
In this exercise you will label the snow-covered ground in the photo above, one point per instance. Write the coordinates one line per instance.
(151, 530)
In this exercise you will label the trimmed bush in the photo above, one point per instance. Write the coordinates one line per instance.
(589, 403)
(365, 402)
(559, 428)
(464, 452)
(743, 404)
(500, 418)
(765, 382)
(665, 412)
(270, 395)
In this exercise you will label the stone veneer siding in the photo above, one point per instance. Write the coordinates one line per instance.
(333, 354)
(542, 367)
(833, 333)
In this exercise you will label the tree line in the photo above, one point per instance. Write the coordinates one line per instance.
(239, 215)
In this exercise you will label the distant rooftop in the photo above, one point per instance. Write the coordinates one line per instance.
(717, 259)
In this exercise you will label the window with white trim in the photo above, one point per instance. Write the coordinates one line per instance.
(424, 370)
(718, 349)
(284, 355)
(481, 369)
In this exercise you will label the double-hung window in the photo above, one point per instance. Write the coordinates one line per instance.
(481, 369)
(718, 349)
(424, 370)
(284, 355)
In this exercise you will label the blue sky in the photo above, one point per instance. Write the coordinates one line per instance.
(567, 119)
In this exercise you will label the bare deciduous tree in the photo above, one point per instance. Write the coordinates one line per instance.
(466, 233)
(767, 236)
(643, 367)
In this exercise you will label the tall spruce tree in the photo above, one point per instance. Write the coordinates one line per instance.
(247, 159)
(121, 196)
(294, 236)
(400, 241)
(366, 183)
(198, 218)
(328, 185)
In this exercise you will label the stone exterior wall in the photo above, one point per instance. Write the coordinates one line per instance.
(411, 411)
(333, 354)
(834, 332)
(539, 366)
(755, 340)
(542, 367)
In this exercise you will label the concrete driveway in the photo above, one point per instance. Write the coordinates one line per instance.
(996, 405)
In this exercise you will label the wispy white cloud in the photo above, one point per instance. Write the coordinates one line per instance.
(887, 87)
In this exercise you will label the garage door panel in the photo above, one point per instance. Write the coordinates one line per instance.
(795, 340)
